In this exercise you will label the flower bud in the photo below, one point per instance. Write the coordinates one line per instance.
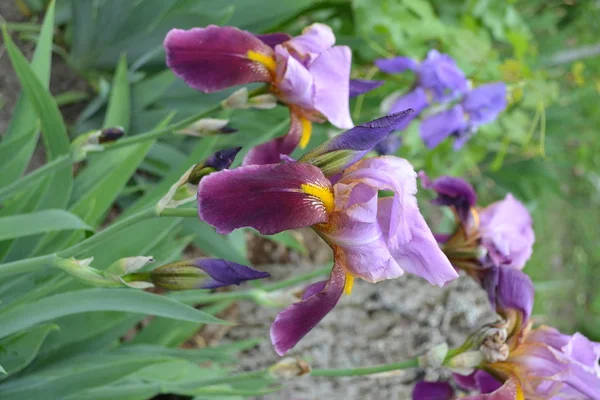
(206, 273)
(124, 271)
(93, 141)
(208, 126)
(289, 368)
(335, 155)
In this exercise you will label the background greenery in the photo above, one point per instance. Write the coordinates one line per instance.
(544, 149)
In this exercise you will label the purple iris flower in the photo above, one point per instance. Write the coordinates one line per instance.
(438, 78)
(539, 363)
(504, 229)
(308, 73)
(480, 106)
(336, 193)
(389, 145)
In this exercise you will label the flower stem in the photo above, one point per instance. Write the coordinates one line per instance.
(179, 212)
(411, 363)
(26, 265)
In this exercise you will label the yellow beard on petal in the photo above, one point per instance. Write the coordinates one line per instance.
(264, 59)
(349, 283)
(322, 193)
(306, 132)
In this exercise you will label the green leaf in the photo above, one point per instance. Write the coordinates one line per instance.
(40, 222)
(79, 301)
(20, 349)
(2, 370)
(24, 123)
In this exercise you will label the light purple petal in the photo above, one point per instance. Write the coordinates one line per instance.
(396, 65)
(295, 82)
(362, 86)
(399, 221)
(432, 391)
(225, 273)
(509, 289)
(484, 103)
(441, 76)
(268, 198)
(452, 192)
(272, 151)
(507, 232)
(293, 323)
(214, 58)
(416, 100)
(350, 146)
(434, 129)
(331, 74)
(315, 39)
(273, 39)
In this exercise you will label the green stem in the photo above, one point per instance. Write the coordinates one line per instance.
(26, 265)
(155, 134)
(32, 178)
(412, 363)
(137, 276)
(179, 212)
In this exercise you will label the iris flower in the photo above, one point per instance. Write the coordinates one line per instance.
(480, 106)
(334, 191)
(530, 363)
(438, 79)
(308, 73)
(499, 235)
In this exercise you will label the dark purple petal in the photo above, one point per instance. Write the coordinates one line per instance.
(509, 289)
(415, 100)
(225, 273)
(293, 323)
(273, 39)
(441, 76)
(396, 65)
(268, 198)
(432, 391)
(508, 391)
(507, 232)
(272, 151)
(350, 146)
(389, 145)
(479, 380)
(362, 86)
(452, 192)
(331, 74)
(214, 58)
(484, 103)
(436, 128)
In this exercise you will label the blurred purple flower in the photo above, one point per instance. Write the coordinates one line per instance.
(480, 106)
(389, 145)
(372, 238)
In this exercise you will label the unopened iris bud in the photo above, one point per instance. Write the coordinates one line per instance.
(206, 273)
(289, 368)
(94, 141)
(208, 126)
(333, 156)
(128, 267)
(219, 161)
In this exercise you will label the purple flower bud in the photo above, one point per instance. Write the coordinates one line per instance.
(205, 273)
(219, 161)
